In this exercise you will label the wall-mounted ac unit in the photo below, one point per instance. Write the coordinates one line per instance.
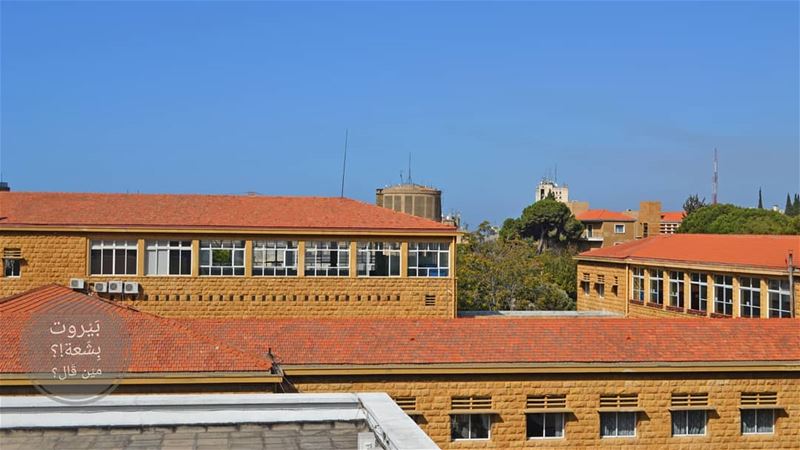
(100, 286)
(115, 287)
(131, 287)
(76, 283)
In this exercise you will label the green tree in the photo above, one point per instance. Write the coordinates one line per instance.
(730, 219)
(796, 205)
(548, 222)
(789, 208)
(760, 202)
(693, 203)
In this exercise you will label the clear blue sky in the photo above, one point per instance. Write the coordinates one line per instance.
(629, 99)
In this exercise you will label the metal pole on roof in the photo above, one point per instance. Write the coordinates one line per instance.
(344, 162)
(792, 297)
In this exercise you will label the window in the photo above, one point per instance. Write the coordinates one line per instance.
(676, 294)
(619, 228)
(699, 292)
(224, 258)
(758, 421)
(750, 297)
(689, 414)
(600, 286)
(12, 259)
(113, 257)
(428, 259)
(168, 257)
(723, 294)
(274, 258)
(638, 284)
(617, 424)
(689, 423)
(378, 259)
(470, 426)
(545, 425)
(544, 415)
(327, 259)
(780, 298)
(586, 284)
(656, 287)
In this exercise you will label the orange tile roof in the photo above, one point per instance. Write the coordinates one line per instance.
(672, 216)
(766, 251)
(203, 211)
(603, 215)
(158, 345)
(398, 341)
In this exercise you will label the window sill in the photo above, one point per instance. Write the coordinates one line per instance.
(697, 312)
(655, 305)
(675, 309)
(637, 302)
(720, 316)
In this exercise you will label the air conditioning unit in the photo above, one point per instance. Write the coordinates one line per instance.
(76, 283)
(131, 287)
(100, 286)
(115, 287)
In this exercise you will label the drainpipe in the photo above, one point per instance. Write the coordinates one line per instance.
(627, 290)
(792, 299)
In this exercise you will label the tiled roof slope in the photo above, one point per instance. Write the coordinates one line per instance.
(203, 211)
(672, 216)
(603, 215)
(726, 249)
(366, 341)
(159, 345)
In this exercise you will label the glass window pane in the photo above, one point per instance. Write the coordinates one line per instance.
(108, 262)
(608, 424)
(764, 420)
(459, 426)
(96, 262)
(131, 262)
(696, 422)
(186, 262)
(480, 426)
(748, 421)
(678, 422)
(626, 424)
(535, 424)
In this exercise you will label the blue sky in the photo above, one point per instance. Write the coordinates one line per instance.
(628, 99)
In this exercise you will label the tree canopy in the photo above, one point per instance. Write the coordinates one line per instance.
(509, 274)
(548, 222)
(731, 219)
(693, 203)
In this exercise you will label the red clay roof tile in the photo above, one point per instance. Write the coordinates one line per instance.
(158, 345)
(203, 211)
(398, 341)
(603, 215)
(726, 249)
(672, 216)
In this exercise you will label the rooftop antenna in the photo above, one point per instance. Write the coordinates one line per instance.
(555, 177)
(409, 168)
(344, 162)
(715, 179)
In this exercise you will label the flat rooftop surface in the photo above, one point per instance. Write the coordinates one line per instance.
(331, 435)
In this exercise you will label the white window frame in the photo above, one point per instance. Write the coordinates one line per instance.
(676, 292)
(727, 290)
(749, 287)
(128, 245)
(279, 249)
(702, 285)
(162, 245)
(656, 275)
(366, 255)
(783, 295)
(544, 424)
(15, 262)
(208, 246)
(315, 254)
(619, 228)
(471, 416)
(756, 411)
(637, 274)
(416, 249)
(687, 412)
(616, 434)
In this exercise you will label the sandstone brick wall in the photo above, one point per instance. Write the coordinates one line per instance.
(582, 430)
(610, 301)
(57, 257)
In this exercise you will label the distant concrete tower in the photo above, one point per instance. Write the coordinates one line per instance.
(546, 186)
(421, 201)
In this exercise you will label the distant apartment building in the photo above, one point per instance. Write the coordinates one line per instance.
(682, 275)
(230, 255)
(547, 187)
(670, 221)
(604, 228)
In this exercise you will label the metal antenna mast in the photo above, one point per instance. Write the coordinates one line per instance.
(409, 168)
(715, 179)
(344, 162)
